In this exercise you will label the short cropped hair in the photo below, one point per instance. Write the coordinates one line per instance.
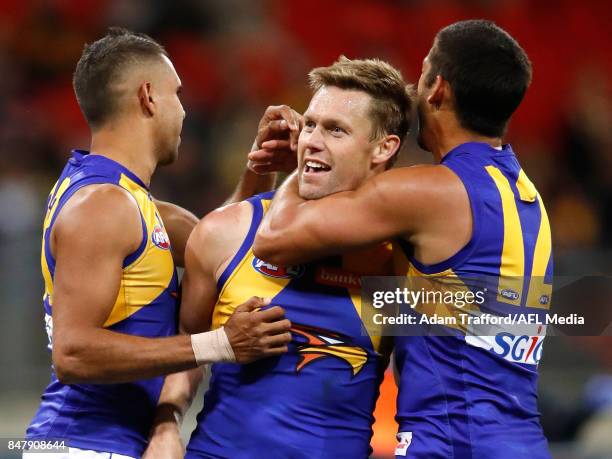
(391, 105)
(101, 66)
(487, 70)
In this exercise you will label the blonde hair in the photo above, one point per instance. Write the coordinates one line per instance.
(390, 110)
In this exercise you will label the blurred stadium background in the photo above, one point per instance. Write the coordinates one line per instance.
(235, 58)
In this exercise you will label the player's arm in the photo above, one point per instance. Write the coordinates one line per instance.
(179, 223)
(175, 399)
(281, 123)
(93, 234)
(209, 249)
(396, 203)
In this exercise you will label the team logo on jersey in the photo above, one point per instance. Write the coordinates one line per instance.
(160, 238)
(280, 272)
(317, 343)
(509, 294)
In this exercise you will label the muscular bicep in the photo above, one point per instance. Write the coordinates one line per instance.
(199, 295)
(93, 234)
(213, 242)
(199, 289)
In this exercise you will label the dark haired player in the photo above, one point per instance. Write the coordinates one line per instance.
(109, 266)
(475, 213)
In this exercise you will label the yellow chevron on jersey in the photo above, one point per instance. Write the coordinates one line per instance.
(146, 305)
(511, 239)
(241, 280)
(148, 273)
(437, 285)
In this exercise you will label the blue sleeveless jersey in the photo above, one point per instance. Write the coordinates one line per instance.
(111, 417)
(317, 400)
(468, 396)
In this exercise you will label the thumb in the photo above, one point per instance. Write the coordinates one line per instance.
(252, 304)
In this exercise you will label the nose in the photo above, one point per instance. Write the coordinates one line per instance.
(314, 140)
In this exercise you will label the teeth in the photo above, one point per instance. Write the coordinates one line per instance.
(315, 165)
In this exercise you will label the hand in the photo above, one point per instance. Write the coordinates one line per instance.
(275, 146)
(254, 334)
(165, 441)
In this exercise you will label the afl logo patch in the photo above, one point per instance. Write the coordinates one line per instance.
(160, 238)
(280, 272)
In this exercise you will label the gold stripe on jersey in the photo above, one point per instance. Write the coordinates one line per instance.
(245, 284)
(436, 285)
(541, 257)
(47, 222)
(512, 268)
(526, 188)
(143, 280)
(370, 262)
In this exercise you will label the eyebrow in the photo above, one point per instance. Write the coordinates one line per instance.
(330, 119)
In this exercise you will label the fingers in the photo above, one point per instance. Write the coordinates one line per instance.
(280, 122)
(272, 314)
(294, 135)
(260, 156)
(275, 351)
(276, 144)
(273, 341)
(277, 328)
(252, 304)
(261, 168)
(267, 161)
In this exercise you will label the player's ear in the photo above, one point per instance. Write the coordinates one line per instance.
(437, 93)
(145, 97)
(387, 147)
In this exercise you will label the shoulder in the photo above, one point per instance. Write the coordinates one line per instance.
(225, 222)
(218, 236)
(422, 182)
(101, 210)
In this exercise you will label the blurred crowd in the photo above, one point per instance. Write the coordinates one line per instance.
(236, 57)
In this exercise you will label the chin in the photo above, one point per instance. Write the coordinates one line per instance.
(309, 192)
(169, 158)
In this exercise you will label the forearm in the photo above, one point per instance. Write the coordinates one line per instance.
(177, 395)
(103, 356)
(295, 230)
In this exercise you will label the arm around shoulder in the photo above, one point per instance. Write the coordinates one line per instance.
(296, 230)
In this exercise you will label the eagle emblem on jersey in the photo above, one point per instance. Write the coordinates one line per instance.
(317, 343)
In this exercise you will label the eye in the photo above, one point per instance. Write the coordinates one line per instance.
(309, 125)
(337, 130)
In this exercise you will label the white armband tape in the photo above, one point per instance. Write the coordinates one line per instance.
(212, 347)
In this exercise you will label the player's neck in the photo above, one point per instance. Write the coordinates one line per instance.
(450, 138)
(131, 148)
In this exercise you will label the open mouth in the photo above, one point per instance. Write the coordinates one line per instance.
(312, 166)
